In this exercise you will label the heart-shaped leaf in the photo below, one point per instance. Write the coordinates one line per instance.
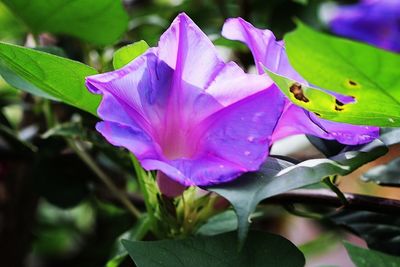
(48, 76)
(100, 22)
(260, 250)
(362, 257)
(279, 176)
(366, 74)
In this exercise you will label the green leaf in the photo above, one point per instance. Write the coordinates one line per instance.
(387, 175)
(367, 74)
(279, 176)
(136, 233)
(126, 54)
(324, 243)
(220, 223)
(9, 26)
(380, 231)
(362, 257)
(99, 22)
(48, 76)
(260, 250)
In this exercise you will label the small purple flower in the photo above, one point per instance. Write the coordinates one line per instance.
(183, 111)
(294, 120)
(376, 22)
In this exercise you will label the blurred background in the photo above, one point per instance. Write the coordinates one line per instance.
(54, 211)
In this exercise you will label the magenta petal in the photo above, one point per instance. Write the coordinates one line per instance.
(307, 123)
(241, 132)
(133, 138)
(185, 48)
(234, 140)
(294, 120)
(184, 112)
(169, 187)
(231, 84)
(372, 21)
(264, 47)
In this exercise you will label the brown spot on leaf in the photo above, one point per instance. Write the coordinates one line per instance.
(337, 108)
(317, 114)
(352, 83)
(339, 103)
(349, 83)
(298, 93)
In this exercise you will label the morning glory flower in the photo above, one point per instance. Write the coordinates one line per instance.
(372, 21)
(269, 53)
(180, 109)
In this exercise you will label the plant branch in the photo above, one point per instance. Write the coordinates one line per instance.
(120, 195)
(328, 198)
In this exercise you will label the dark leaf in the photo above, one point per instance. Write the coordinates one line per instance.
(260, 250)
(380, 231)
(279, 176)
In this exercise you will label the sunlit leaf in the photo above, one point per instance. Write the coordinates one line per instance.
(260, 250)
(366, 74)
(48, 76)
(97, 21)
(126, 54)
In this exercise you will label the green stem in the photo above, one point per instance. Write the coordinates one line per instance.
(120, 195)
(291, 209)
(140, 173)
(48, 114)
(333, 187)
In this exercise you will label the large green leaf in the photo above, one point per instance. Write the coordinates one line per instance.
(97, 21)
(367, 74)
(380, 231)
(279, 176)
(48, 76)
(260, 250)
(362, 257)
(126, 54)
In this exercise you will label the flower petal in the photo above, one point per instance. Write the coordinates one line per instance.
(133, 138)
(307, 123)
(294, 120)
(373, 22)
(185, 48)
(264, 47)
(141, 88)
(234, 140)
(168, 186)
(231, 84)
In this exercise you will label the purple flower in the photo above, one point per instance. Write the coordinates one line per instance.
(376, 22)
(183, 111)
(294, 120)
